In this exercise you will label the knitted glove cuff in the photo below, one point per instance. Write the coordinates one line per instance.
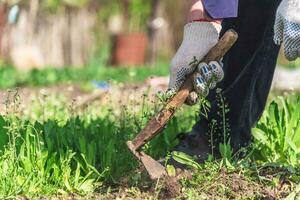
(198, 31)
(198, 39)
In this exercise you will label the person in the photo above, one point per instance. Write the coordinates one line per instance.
(262, 25)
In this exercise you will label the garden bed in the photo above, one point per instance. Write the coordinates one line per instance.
(50, 148)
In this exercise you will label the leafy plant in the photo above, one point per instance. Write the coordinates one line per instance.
(224, 146)
(277, 134)
(27, 167)
(185, 159)
(49, 148)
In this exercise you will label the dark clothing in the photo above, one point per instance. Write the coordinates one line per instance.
(249, 69)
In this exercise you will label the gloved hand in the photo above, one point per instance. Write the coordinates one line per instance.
(198, 39)
(287, 28)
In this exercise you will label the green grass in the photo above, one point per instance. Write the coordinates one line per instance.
(51, 153)
(282, 61)
(52, 150)
(10, 77)
(278, 132)
(293, 65)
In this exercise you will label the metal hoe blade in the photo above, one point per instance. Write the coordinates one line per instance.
(154, 168)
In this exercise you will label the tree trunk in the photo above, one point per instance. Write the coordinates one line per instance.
(33, 13)
(152, 32)
(126, 11)
(3, 10)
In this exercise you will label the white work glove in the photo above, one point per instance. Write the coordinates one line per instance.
(287, 28)
(198, 39)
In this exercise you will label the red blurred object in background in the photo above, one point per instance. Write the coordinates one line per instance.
(129, 49)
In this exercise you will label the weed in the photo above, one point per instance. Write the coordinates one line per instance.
(224, 146)
(277, 134)
(51, 149)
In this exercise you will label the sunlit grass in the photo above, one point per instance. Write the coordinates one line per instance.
(10, 77)
(50, 149)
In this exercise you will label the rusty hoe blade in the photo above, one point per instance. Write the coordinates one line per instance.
(154, 168)
(156, 124)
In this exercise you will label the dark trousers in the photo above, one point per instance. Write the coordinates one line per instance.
(249, 69)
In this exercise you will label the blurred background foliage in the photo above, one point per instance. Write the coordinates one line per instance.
(81, 31)
(54, 5)
(41, 34)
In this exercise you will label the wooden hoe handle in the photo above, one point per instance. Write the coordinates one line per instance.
(157, 123)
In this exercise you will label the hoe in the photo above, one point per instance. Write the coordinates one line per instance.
(159, 121)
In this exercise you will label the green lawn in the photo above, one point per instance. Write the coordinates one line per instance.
(10, 77)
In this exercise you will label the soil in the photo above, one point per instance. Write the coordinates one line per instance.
(119, 94)
(237, 185)
(131, 92)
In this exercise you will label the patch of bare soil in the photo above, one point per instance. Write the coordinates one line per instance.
(26, 94)
(121, 94)
(238, 186)
(171, 188)
(283, 186)
(234, 186)
(224, 186)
